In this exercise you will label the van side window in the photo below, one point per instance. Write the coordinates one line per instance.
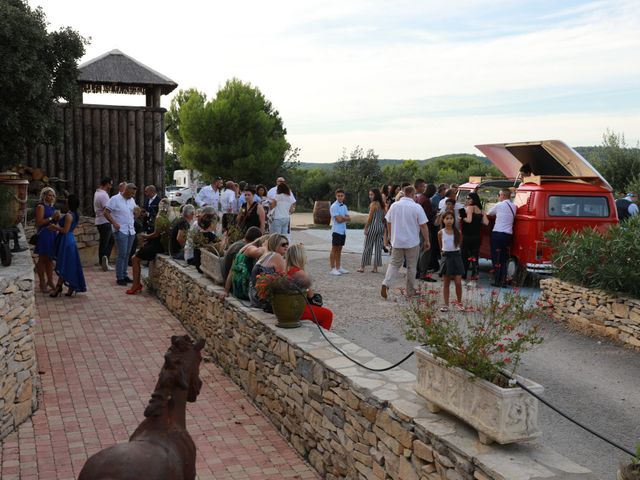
(578, 206)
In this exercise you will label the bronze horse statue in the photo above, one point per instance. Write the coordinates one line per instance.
(160, 448)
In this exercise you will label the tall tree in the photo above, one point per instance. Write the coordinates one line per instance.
(236, 135)
(172, 117)
(357, 173)
(619, 164)
(36, 68)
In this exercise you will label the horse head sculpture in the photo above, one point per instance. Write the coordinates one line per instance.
(161, 447)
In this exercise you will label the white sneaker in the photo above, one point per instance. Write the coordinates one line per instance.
(343, 270)
(104, 263)
(335, 272)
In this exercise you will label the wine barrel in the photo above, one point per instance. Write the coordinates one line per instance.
(321, 212)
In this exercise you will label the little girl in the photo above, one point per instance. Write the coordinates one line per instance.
(450, 239)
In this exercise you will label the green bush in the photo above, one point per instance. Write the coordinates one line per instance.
(608, 261)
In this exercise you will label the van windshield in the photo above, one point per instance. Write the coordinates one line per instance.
(575, 206)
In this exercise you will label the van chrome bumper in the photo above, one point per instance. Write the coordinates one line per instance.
(540, 268)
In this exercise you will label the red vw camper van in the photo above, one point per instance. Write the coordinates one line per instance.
(555, 188)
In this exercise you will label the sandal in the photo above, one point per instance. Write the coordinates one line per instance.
(444, 309)
(360, 270)
(461, 308)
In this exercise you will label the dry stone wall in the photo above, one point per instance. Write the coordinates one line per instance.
(18, 367)
(595, 312)
(347, 422)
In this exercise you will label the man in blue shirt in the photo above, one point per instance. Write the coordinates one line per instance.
(339, 219)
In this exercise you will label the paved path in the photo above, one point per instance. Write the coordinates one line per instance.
(594, 380)
(100, 354)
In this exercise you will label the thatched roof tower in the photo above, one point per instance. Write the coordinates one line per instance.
(116, 72)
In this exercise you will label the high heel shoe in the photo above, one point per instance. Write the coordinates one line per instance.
(56, 292)
(70, 293)
(135, 289)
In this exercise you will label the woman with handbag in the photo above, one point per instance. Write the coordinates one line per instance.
(296, 261)
(251, 214)
(44, 239)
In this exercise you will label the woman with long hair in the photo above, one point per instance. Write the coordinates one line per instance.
(296, 262)
(251, 213)
(68, 265)
(373, 232)
(45, 215)
(471, 235)
(270, 262)
(450, 239)
(281, 206)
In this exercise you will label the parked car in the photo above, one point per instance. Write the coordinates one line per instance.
(555, 188)
(181, 195)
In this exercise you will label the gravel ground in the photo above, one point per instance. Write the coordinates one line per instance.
(594, 381)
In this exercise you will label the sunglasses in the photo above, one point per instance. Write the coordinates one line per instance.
(285, 244)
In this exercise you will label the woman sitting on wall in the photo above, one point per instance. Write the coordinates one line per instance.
(270, 262)
(313, 310)
(153, 243)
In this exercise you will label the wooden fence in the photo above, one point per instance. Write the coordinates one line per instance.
(124, 143)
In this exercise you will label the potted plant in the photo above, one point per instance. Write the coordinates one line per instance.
(286, 296)
(468, 359)
(631, 471)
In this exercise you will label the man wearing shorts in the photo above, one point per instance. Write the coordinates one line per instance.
(339, 220)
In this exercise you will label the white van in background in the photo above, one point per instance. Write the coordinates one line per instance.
(187, 185)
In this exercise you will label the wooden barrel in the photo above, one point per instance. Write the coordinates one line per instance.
(321, 213)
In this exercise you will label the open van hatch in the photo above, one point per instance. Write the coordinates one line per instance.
(547, 158)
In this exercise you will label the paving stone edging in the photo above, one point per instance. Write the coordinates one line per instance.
(18, 367)
(346, 421)
(595, 312)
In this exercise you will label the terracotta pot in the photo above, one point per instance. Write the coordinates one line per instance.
(503, 415)
(13, 199)
(321, 212)
(288, 308)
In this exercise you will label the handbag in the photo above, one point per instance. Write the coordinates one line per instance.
(33, 239)
(316, 300)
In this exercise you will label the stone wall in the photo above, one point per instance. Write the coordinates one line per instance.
(347, 422)
(18, 368)
(595, 312)
(87, 238)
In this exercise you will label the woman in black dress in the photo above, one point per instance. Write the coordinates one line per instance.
(471, 235)
(252, 213)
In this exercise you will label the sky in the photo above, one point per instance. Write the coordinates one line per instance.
(409, 79)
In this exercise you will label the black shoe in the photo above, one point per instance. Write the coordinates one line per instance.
(428, 279)
(122, 282)
(128, 280)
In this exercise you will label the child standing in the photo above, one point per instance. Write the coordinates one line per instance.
(339, 219)
(450, 239)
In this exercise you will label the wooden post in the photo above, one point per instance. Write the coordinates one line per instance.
(85, 170)
(140, 142)
(69, 144)
(158, 134)
(75, 172)
(157, 93)
(113, 149)
(122, 152)
(149, 97)
(96, 126)
(105, 168)
(131, 147)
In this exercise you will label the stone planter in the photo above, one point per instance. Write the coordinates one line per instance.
(503, 415)
(288, 308)
(211, 265)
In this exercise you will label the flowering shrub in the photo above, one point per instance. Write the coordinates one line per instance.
(607, 261)
(488, 337)
(268, 284)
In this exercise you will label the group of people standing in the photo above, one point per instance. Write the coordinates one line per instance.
(428, 230)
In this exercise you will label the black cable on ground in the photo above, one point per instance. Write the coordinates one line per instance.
(561, 413)
(315, 320)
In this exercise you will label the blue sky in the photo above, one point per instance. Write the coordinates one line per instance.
(409, 79)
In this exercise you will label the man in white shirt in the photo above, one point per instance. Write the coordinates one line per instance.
(210, 195)
(405, 220)
(100, 199)
(274, 190)
(501, 236)
(119, 213)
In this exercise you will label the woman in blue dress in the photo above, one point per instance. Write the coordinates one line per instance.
(46, 215)
(68, 266)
